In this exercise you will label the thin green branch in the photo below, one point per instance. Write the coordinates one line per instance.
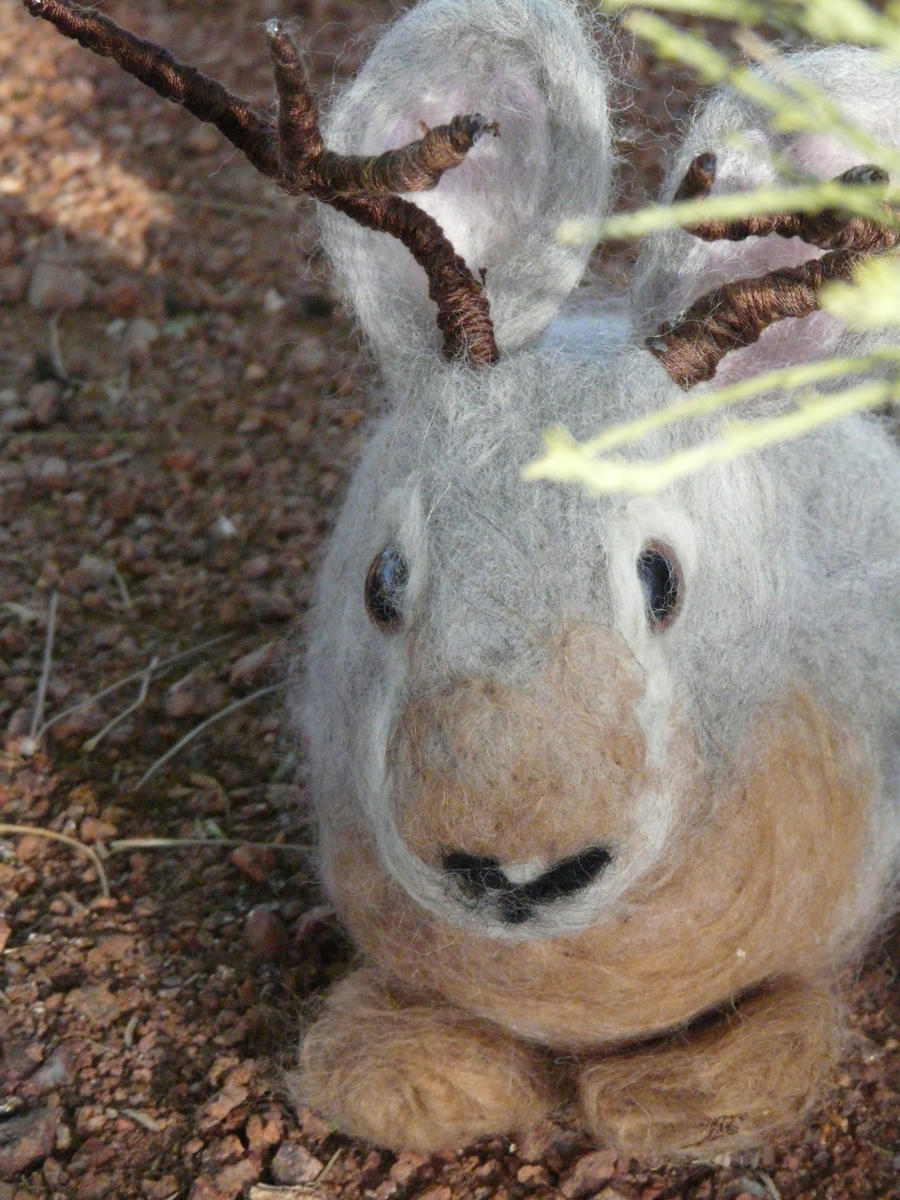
(786, 379)
(566, 459)
(866, 200)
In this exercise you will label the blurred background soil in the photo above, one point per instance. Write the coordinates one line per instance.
(181, 398)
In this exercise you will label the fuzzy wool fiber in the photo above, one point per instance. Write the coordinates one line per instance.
(731, 773)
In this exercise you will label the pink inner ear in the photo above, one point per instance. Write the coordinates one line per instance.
(499, 189)
(784, 344)
(821, 156)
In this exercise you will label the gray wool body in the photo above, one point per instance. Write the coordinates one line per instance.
(778, 573)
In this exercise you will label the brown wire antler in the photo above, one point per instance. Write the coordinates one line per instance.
(736, 314)
(292, 152)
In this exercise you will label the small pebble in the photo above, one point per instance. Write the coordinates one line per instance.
(57, 287)
(265, 933)
(43, 400)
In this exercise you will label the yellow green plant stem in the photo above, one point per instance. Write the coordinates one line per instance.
(850, 21)
(793, 101)
(587, 463)
(785, 379)
(861, 200)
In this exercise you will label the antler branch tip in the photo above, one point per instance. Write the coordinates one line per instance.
(698, 178)
(292, 152)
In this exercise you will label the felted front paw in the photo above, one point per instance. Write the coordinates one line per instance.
(403, 1071)
(725, 1086)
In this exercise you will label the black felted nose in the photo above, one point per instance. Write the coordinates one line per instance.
(483, 878)
(475, 875)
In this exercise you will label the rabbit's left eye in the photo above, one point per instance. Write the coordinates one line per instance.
(385, 584)
(662, 583)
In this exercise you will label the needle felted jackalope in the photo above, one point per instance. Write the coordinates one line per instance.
(606, 789)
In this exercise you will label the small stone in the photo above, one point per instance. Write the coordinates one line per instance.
(113, 948)
(95, 1003)
(94, 830)
(225, 527)
(26, 1140)
(533, 1174)
(29, 846)
(257, 567)
(256, 862)
(265, 933)
(56, 1070)
(139, 337)
(589, 1174)
(270, 606)
(15, 416)
(273, 302)
(253, 668)
(53, 472)
(309, 355)
(43, 402)
(263, 1131)
(226, 1100)
(193, 696)
(57, 287)
(407, 1166)
(122, 298)
(294, 1164)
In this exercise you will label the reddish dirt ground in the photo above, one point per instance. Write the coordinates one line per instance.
(181, 399)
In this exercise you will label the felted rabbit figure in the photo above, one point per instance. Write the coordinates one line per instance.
(606, 788)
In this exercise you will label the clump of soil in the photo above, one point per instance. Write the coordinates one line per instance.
(180, 401)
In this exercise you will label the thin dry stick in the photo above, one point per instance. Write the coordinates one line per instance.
(56, 354)
(45, 669)
(198, 729)
(92, 743)
(133, 678)
(292, 152)
(52, 835)
(127, 845)
(124, 593)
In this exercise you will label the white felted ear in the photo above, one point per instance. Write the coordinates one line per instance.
(529, 66)
(675, 269)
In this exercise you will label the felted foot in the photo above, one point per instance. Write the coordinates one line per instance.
(408, 1072)
(724, 1086)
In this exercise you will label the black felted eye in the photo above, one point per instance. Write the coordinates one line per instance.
(661, 581)
(385, 584)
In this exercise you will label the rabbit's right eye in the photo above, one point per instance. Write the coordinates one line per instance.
(661, 581)
(385, 584)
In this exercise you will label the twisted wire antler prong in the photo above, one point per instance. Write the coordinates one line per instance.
(738, 313)
(292, 152)
(416, 167)
(365, 188)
